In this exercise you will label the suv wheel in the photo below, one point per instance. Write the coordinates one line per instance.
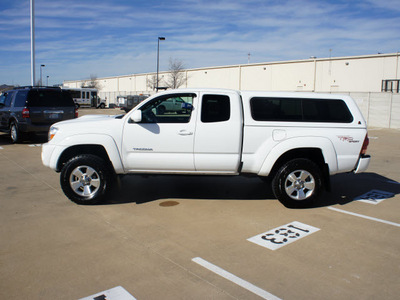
(298, 183)
(85, 178)
(15, 134)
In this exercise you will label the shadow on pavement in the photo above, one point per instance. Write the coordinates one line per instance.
(347, 187)
(28, 139)
(142, 189)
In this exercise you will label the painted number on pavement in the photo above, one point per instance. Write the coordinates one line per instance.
(283, 235)
(374, 196)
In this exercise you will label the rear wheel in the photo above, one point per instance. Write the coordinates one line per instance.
(85, 179)
(15, 134)
(298, 183)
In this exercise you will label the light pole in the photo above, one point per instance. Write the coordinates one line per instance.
(33, 77)
(41, 82)
(160, 38)
(47, 80)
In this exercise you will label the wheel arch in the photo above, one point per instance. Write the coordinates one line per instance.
(94, 149)
(313, 154)
(317, 149)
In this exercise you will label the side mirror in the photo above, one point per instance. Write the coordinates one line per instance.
(136, 116)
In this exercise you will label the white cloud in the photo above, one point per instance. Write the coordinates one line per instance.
(104, 37)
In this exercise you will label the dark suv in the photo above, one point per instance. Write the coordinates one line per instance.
(33, 110)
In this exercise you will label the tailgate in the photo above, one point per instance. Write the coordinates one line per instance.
(50, 115)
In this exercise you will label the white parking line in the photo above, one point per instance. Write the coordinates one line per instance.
(365, 217)
(233, 278)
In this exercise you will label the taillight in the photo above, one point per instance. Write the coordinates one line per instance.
(25, 113)
(365, 145)
(76, 112)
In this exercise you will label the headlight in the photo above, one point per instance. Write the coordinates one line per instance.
(52, 132)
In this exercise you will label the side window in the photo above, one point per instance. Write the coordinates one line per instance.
(3, 99)
(215, 108)
(300, 110)
(75, 94)
(332, 111)
(20, 99)
(8, 98)
(168, 109)
(275, 109)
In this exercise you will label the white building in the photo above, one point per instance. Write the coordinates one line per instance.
(361, 76)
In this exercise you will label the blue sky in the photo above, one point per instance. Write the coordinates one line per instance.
(75, 39)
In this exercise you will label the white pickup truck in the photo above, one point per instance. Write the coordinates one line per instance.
(296, 139)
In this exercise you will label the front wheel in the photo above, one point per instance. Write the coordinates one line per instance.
(85, 179)
(298, 183)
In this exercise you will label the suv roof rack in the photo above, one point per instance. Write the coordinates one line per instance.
(36, 87)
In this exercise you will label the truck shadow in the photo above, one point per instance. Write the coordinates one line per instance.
(142, 189)
(345, 188)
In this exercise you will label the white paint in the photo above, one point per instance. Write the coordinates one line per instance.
(35, 145)
(117, 293)
(233, 278)
(283, 235)
(374, 197)
(365, 217)
(1, 148)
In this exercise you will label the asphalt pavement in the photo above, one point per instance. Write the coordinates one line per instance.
(191, 237)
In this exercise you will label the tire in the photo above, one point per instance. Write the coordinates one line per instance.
(102, 106)
(298, 183)
(15, 134)
(85, 179)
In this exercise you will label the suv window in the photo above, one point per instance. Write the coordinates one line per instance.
(49, 98)
(168, 109)
(215, 108)
(3, 98)
(300, 110)
(8, 98)
(20, 99)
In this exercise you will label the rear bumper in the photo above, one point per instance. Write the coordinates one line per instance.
(362, 164)
(28, 127)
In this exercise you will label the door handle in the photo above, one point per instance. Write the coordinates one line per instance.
(185, 132)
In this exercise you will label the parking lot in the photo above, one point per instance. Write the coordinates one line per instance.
(190, 237)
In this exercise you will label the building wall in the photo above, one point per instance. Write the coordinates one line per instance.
(361, 76)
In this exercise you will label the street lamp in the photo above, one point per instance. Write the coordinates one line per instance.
(47, 80)
(160, 38)
(41, 82)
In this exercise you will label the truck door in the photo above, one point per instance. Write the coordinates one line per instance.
(218, 139)
(163, 140)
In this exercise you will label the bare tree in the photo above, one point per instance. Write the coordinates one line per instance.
(176, 77)
(152, 82)
(91, 83)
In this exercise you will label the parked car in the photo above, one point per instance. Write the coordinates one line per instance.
(33, 110)
(296, 139)
(126, 103)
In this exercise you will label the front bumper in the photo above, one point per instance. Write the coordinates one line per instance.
(48, 157)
